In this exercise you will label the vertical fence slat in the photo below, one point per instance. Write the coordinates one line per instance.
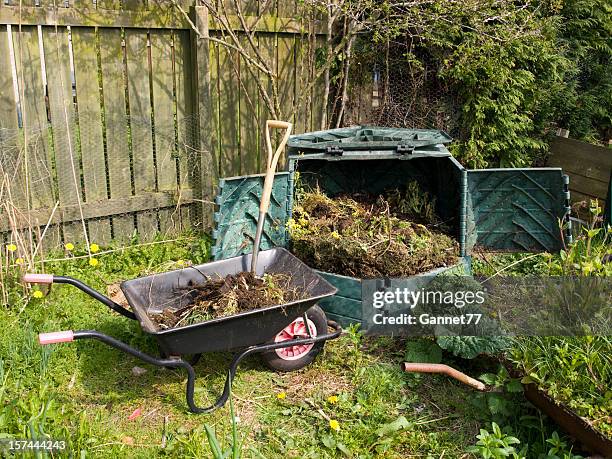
(267, 48)
(61, 109)
(286, 85)
(268, 6)
(188, 167)
(206, 109)
(215, 108)
(140, 124)
(302, 69)
(36, 131)
(286, 8)
(8, 105)
(250, 124)
(249, 7)
(29, 74)
(115, 117)
(163, 102)
(11, 162)
(229, 91)
(90, 126)
(319, 87)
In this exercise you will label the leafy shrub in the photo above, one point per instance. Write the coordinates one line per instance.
(515, 73)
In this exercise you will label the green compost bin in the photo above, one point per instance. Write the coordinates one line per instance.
(516, 210)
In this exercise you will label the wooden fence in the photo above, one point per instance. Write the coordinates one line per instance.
(589, 168)
(126, 113)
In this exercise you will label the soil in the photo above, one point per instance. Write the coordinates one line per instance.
(232, 295)
(365, 236)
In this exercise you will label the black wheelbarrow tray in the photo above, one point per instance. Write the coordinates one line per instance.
(279, 332)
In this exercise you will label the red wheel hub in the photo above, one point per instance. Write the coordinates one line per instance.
(295, 330)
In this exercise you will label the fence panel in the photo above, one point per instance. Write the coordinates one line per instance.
(138, 75)
(101, 113)
(589, 168)
(91, 133)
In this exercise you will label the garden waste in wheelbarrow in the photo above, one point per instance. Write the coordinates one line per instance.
(288, 331)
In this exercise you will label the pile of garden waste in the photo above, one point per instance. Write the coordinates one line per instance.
(228, 296)
(396, 234)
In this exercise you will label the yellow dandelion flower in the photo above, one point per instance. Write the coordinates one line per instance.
(93, 262)
(334, 425)
(19, 261)
(281, 396)
(37, 294)
(69, 246)
(11, 247)
(95, 248)
(335, 235)
(333, 399)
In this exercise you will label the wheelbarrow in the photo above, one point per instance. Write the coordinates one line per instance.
(289, 336)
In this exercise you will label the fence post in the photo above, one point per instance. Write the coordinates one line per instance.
(204, 136)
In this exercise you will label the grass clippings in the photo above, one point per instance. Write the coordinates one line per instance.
(228, 296)
(367, 237)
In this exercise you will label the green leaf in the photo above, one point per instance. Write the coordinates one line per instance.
(512, 440)
(469, 347)
(514, 386)
(344, 450)
(423, 351)
(496, 405)
(527, 380)
(328, 441)
(488, 378)
(215, 447)
(392, 427)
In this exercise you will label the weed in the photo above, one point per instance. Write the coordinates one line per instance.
(575, 371)
(500, 443)
(496, 445)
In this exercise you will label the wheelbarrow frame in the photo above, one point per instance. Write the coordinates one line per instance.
(177, 342)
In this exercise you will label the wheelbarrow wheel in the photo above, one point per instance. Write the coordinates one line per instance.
(293, 358)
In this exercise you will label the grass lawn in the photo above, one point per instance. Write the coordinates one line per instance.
(85, 391)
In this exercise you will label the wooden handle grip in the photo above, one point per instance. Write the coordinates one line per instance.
(273, 160)
(278, 124)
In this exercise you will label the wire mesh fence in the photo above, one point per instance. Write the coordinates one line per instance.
(393, 84)
(122, 180)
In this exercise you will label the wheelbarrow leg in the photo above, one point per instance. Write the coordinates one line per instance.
(177, 362)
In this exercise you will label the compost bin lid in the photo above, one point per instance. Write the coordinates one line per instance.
(369, 138)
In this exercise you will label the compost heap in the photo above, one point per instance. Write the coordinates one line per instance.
(231, 295)
(371, 236)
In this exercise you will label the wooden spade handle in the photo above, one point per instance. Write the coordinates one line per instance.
(272, 160)
(277, 124)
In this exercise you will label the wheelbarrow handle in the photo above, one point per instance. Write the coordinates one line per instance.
(32, 278)
(56, 337)
(177, 362)
(36, 278)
